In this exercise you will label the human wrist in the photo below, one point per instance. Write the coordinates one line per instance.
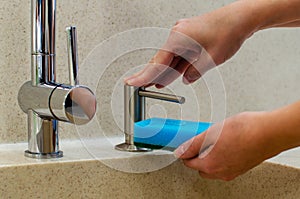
(276, 13)
(243, 17)
(250, 16)
(282, 127)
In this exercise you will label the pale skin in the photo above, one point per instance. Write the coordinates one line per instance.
(251, 136)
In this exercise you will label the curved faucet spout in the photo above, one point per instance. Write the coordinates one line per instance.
(74, 104)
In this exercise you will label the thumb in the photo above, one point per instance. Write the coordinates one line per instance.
(191, 75)
(190, 148)
(199, 67)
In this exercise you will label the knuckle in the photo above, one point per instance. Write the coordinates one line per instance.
(143, 79)
(180, 21)
(158, 68)
(180, 25)
(209, 169)
(152, 60)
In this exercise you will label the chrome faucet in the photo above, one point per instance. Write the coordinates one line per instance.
(43, 99)
(135, 110)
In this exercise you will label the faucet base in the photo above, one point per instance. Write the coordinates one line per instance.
(131, 148)
(30, 154)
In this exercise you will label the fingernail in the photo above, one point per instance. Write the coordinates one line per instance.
(126, 78)
(192, 77)
(185, 80)
(129, 81)
(179, 151)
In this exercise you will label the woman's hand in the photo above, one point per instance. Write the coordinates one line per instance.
(241, 142)
(230, 148)
(196, 45)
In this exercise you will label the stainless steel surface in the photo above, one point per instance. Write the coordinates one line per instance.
(162, 96)
(35, 98)
(43, 135)
(135, 110)
(44, 100)
(43, 41)
(131, 148)
(75, 104)
(72, 54)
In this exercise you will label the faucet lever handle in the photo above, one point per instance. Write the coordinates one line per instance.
(162, 96)
(72, 55)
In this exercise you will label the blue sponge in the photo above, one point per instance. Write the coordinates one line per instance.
(165, 133)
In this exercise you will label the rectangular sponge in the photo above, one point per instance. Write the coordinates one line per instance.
(163, 133)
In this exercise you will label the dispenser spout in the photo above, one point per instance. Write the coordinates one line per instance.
(162, 96)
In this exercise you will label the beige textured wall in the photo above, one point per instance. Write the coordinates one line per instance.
(262, 76)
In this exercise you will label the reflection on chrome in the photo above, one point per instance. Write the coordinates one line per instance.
(135, 110)
(43, 99)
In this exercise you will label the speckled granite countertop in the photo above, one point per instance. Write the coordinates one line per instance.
(93, 169)
(102, 149)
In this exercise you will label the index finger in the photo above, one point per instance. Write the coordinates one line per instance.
(157, 65)
(190, 148)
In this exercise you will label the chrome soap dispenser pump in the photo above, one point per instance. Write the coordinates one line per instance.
(135, 110)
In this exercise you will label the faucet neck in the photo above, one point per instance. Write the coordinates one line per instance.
(43, 41)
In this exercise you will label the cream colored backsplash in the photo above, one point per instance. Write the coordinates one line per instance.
(262, 76)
